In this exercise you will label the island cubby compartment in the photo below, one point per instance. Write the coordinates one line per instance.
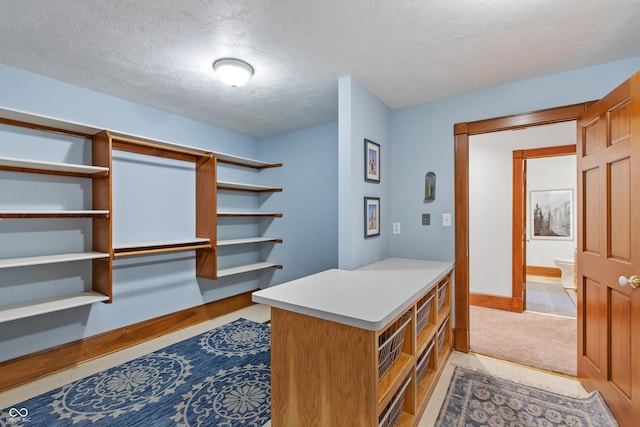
(443, 291)
(393, 411)
(391, 343)
(444, 336)
(424, 310)
(425, 361)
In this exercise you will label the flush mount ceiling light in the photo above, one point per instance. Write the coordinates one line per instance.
(233, 72)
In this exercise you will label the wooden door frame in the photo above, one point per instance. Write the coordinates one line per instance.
(461, 132)
(519, 216)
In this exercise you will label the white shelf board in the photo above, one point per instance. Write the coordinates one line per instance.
(245, 268)
(51, 166)
(34, 308)
(230, 242)
(23, 116)
(249, 187)
(52, 212)
(247, 213)
(242, 160)
(50, 259)
(170, 242)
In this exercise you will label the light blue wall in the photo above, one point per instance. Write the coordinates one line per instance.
(423, 141)
(309, 200)
(361, 115)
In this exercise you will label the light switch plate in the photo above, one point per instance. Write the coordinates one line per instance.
(396, 228)
(446, 220)
(426, 219)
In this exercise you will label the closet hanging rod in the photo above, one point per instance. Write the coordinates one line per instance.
(160, 250)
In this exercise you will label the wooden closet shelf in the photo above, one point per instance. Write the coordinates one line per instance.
(127, 143)
(244, 161)
(239, 214)
(247, 268)
(24, 119)
(37, 166)
(50, 259)
(54, 213)
(48, 305)
(230, 242)
(236, 186)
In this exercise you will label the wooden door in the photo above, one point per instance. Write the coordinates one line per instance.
(609, 247)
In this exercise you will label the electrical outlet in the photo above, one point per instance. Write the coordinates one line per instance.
(426, 219)
(396, 228)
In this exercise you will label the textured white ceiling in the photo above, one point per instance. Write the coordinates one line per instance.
(159, 52)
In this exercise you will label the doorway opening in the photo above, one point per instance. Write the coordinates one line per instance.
(549, 233)
(544, 218)
(462, 132)
(500, 194)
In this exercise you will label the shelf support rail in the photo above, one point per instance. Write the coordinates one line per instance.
(124, 143)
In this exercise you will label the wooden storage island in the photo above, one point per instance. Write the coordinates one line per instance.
(359, 348)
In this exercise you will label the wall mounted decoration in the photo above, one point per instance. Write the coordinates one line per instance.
(371, 217)
(551, 214)
(371, 161)
(429, 187)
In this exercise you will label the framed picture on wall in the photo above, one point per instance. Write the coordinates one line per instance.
(371, 161)
(371, 217)
(551, 214)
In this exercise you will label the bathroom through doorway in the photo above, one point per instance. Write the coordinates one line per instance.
(544, 238)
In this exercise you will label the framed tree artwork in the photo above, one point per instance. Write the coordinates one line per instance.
(551, 214)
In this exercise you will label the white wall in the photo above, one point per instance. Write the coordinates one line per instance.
(490, 186)
(552, 173)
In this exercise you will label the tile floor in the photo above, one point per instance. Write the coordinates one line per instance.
(260, 313)
(544, 279)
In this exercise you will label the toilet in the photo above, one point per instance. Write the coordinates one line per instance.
(566, 271)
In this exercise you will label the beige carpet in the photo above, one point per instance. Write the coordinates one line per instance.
(537, 340)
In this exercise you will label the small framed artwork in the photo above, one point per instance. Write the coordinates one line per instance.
(371, 217)
(371, 161)
(551, 214)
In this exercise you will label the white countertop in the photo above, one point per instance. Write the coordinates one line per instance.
(367, 298)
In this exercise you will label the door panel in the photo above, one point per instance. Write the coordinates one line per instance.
(620, 213)
(620, 333)
(593, 132)
(591, 230)
(609, 247)
(591, 323)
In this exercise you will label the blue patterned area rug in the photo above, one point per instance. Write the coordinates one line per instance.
(219, 378)
(477, 399)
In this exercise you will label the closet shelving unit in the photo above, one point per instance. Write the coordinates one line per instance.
(104, 251)
(204, 241)
(253, 188)
(100, 214)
